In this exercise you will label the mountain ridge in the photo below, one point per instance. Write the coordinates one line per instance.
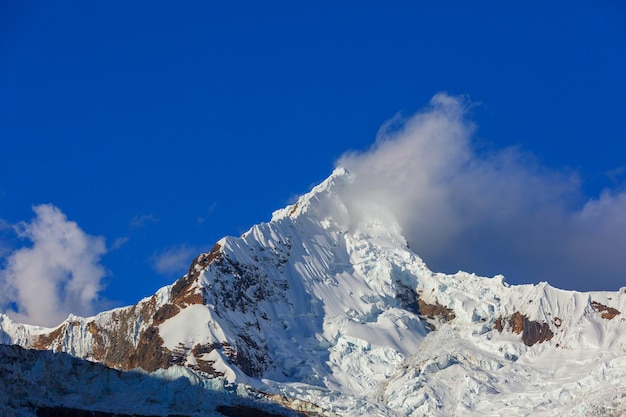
(326, 303)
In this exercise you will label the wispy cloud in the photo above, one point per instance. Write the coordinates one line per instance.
(143, 220)
(173, 260)
(118, 243)
(58, 274)
(488, 211)
(205, 217)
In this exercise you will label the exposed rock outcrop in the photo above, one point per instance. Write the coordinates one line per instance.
(532, 331)
(435, 310)
(130, 339)
(183, 292)
(606, 312)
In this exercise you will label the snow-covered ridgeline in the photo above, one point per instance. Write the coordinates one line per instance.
(77, 335)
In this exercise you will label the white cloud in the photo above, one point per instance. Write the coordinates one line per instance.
(487, 211)
(174, 260)
(60, 273)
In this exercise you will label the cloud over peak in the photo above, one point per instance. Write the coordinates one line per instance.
(487, 210)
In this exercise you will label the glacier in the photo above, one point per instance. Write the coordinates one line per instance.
(326, 310)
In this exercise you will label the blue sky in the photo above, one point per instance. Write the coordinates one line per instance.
(158, 127)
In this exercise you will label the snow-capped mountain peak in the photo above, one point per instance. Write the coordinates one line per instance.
(326, 303)
(329, 189)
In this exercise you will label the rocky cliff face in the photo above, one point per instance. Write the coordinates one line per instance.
(129, 337)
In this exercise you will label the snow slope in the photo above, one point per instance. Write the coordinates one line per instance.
(327, 304)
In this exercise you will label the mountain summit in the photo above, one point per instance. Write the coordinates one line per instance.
(326, 305)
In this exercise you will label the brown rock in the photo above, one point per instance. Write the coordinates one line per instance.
(499, 324)
(435, 310)
(46, 341)
(607, 312)
(532, 331)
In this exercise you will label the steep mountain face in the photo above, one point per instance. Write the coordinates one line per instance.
(326, 304)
